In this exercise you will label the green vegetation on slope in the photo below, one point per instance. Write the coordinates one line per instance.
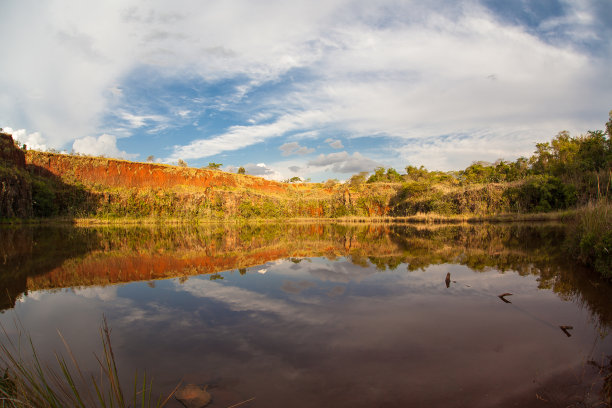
(563, 173)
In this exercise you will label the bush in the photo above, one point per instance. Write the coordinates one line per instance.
(44, 200)
(542, 193)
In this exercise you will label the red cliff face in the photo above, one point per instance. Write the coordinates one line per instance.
(124, 188)
(15, 189)
(119, 173)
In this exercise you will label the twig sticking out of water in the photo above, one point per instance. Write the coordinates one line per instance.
(565, 330)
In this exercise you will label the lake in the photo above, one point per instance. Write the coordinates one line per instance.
(311, 315)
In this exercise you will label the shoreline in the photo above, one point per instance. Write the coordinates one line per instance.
(428, 218)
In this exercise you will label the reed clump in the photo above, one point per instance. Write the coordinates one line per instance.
(29, 382)
(590, 236)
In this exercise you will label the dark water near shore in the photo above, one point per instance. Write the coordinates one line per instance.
(321, 315)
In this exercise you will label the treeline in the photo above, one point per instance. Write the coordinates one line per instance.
(562, 173)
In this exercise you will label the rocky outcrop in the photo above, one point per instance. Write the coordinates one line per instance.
(122, 173)
(123, 188)
(15, 188)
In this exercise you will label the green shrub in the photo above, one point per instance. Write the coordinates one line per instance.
(44, 199)
(542, 193)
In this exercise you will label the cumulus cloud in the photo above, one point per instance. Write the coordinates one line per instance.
(336, 144)
(342, 162)
(405, 70)
(332, 158)
(262, 170)
(33, 140)
(104, 145)
(291, 148)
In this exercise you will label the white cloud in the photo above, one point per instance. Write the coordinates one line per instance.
(332, 158)
(459, 151)
(34, 141)
(262, 170)
(342, 162)
(291, 148)
(336, 144)
(138, 121)
(238, 137)
(406, 70)
(104, 145)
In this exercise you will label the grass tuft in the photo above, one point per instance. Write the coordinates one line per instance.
(28, 382)
(590, 237)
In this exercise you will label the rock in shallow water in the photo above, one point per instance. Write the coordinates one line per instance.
(193, 396)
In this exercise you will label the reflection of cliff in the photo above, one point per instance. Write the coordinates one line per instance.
(68, 257)
(144, 254)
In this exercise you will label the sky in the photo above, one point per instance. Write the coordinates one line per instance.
(315, 89)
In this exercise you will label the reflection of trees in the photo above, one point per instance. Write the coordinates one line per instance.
(47, 258)
(524, 249)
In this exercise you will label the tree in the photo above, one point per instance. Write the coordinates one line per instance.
(358, 179)
(241, 170)
(416, 174)
(393, 176)
(330, 183)
(182, 163)
(378, 176)
(214, 166)
(150, 159)
(295, 179)
(390, 176)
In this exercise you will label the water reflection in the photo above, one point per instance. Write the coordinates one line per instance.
(323, 315)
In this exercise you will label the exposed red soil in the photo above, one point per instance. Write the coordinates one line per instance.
(119, 173)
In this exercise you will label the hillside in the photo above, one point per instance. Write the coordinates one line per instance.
(81, 186)
(15, 188)
(568, 172)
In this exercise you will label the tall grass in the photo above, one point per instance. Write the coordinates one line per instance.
(28, 382)
(590, 237)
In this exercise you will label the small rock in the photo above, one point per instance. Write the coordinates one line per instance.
(193, 396)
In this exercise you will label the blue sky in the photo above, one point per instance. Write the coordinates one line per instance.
(317, 89)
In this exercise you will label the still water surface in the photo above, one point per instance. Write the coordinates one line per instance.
(321, 315)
